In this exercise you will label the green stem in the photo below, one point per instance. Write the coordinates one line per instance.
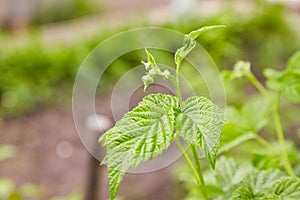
(199, 170)
(198, 174)
(188, 160)
(280, 136)
(258, 85)
(263, 142)
(278, 127)
(177, 86)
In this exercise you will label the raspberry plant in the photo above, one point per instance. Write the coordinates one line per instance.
(146, 131)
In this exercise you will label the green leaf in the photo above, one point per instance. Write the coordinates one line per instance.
(150, 58)
(229, 175)
(242, 121)
(257, 185)
(188, 45)
(189, 42)
(289, 188)
(256, 121)
(142, 134)
(266, 160)
(195, 34)
(273, 79)
(287, 81)
(200, 122)
(291, 87)
(294, 63)
(268, 185)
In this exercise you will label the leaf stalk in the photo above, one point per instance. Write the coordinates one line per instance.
(276, 119)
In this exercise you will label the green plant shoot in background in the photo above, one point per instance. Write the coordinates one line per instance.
(146, 131)
(274, 170)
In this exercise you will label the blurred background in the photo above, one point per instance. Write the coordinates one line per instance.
(42, 44)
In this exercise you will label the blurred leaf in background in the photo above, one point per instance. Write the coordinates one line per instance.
(56, 11)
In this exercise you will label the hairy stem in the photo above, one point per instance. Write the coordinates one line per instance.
(276, 118)
(188, 160)
(197, 173)
(199, 170)
(177, 86)
(280, 136)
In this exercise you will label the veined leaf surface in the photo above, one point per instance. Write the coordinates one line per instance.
(200, 122)
(142, 134)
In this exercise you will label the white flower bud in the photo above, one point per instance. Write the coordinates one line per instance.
(152, 72)
(147, 65)
(147, 80)
(241, 68)
(166, 74)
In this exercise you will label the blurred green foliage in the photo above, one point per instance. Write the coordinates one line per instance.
(33, 74)
(257, 169)
(263, 36)
(63, 10)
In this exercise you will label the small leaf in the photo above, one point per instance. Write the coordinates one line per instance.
(294, 63)
(200, 122)
(273, 79)
(151, 59)
(195, 34)
(142, 134)
(291, 87)
(181, 53)
(287, 81)
(189, 42)
(257, 185)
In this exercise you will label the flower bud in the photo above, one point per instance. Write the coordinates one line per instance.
(166, 74)
(152, 72)
(241, 68)
(147, 65)
(147, 80)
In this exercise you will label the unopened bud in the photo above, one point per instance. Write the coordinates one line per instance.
(166, 74)
(147, 65)
(152, 72)
(241, 68)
